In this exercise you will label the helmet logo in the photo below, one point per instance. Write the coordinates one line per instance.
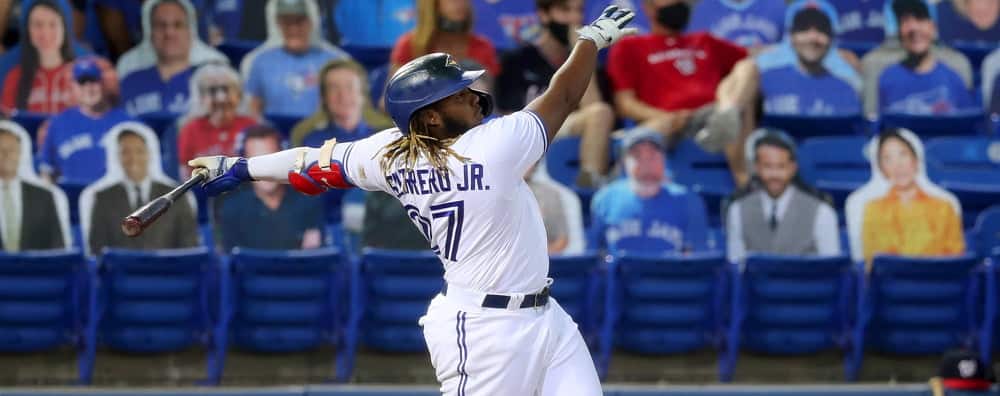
(450, 62)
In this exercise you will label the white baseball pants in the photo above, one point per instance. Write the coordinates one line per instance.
(523, 351)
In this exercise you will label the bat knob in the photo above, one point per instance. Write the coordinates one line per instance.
(131, 226)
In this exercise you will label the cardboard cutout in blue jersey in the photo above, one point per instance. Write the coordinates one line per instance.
(939, 92)
(143, 90)
(674, 220)
(861, 20)
(288, 83)
(72, 147)
(747, 23)
(788, 90)
(506, 23)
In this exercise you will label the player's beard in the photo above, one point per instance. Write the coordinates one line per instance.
(455, 126)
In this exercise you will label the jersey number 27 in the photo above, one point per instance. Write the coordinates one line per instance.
(453, 213)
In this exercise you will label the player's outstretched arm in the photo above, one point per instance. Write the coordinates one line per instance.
(301, 167)
(571, 80)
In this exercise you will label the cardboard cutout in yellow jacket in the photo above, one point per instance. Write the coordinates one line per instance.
(900, 211)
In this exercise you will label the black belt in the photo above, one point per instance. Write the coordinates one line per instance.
(501, 301)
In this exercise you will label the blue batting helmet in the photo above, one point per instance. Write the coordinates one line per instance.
(425, 80)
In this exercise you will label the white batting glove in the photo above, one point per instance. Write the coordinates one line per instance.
(609, 27)
(213, 165)
(222, 173)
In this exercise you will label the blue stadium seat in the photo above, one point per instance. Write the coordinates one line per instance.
(158, 302)
(976, 53)
(928, 126)
(562, 162)
(236, 50)
(578, 289)
(836, 165)
(859, 48)
(663, 304)
(804, 127)
(369, 57)
(717, 238)
(160, 123)
(918, 306)
(290, 301)
(72, 189)
(784, 305)
(42, 301)
(704, 173)
(377, 77)
(30, 122)
(169, 154)
(987, 232)
(969, 168)
(396, 289)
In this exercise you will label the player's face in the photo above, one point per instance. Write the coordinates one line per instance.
(898, 163)
(455, 10)
(134, 157)
(647, 163)
(569, 13)
(775, 168)
(460, 112)
(171, 35)
(45, 29)
(10, 154)
(343, 98)
(916, 34)
(295, 30)
(811, 45)
(983, 13)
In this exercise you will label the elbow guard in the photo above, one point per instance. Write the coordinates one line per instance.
(320, 175)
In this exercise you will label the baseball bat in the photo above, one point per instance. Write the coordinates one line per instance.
(134, 224)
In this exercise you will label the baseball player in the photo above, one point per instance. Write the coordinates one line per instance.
(493, 329)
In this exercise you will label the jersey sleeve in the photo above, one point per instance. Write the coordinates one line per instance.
(517, 141)
(361, 162)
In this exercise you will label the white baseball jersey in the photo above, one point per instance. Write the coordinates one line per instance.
(480, 217)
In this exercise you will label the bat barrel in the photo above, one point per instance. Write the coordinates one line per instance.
(135, 223)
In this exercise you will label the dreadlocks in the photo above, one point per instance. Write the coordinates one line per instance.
(414, 144)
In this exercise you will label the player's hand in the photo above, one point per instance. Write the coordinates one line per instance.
(609, 27)
(222, 173)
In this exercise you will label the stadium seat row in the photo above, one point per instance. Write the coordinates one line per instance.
(274, 302)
